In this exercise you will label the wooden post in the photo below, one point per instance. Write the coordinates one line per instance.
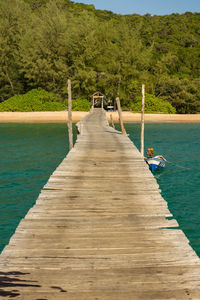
(142, 120)
(112, 122)
(102, 102)
(120, 116)
(70, 115)
(93, 102)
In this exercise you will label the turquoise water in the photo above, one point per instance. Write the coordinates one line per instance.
(29, 153)
(180, 181)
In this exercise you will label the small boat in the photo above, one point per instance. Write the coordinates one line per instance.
(154, 162)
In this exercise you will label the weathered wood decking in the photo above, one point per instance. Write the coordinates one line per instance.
(99, 230)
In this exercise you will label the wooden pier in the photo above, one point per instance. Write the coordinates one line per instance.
(100, 230)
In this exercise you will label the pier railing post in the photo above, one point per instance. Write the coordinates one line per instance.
(102, 103)
(142, 120)
(112, 122)
(70, 115)
(92, 102)
(120, 116)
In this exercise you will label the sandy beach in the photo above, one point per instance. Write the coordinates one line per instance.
(61, 117)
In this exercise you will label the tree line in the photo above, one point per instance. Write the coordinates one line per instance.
(45, 42)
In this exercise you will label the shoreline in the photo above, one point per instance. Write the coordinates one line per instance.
(62, 117)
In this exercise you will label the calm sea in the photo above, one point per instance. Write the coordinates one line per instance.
(29, 153)
(180, 181)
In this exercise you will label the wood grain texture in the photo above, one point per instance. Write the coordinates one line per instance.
(100, 230)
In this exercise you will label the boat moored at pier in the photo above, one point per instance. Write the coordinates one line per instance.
(154, 162)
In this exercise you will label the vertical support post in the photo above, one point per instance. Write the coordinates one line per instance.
(93, 102)
(142, 121)
(120, 116)
(112, 122)
(70, 115)
(102, 102)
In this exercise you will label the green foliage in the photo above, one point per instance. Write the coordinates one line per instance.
(153, 105)
(45, 42)
(183, 94)
(80, 105)
(35, 100)
(13, 17)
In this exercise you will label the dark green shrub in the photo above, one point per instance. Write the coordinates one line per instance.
(153, 105)
(34, 100)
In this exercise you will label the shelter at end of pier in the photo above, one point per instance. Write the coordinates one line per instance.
(98, 99)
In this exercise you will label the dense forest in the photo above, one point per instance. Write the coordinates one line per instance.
(45, 42)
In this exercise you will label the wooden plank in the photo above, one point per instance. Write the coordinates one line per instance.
(99, 230)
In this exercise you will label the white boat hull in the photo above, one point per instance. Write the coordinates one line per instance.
(156, 163)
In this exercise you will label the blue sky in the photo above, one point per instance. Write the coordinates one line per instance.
(154, 7)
